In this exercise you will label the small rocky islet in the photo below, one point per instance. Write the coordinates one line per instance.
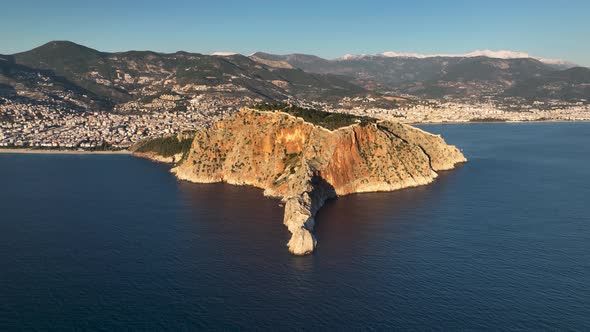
(305, 157)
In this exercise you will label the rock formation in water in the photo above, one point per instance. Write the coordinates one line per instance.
(304, 164)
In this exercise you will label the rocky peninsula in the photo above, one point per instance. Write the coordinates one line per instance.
(305, 158)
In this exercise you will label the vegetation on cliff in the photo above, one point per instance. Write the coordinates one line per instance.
(166, 146)
(327, 120)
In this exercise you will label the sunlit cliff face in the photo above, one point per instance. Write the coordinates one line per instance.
(304, 164)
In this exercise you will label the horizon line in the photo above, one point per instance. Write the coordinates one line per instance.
(493, 54)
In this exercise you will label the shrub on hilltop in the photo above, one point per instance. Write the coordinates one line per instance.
(321, 118)
(165, 146)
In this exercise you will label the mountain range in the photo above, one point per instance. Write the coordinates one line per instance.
(457, 76)
(78, 77)
(502, 54)
(72, 73)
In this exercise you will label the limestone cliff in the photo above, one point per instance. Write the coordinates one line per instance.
(158, 157)
(305, 164)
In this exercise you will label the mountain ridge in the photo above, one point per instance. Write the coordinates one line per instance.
(78, 77)
(141, 77)
(472, 77)
(501, 54)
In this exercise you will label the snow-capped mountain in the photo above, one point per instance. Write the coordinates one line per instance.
(474, 74)
(501, 54)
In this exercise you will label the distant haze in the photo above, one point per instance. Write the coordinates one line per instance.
(502, 54)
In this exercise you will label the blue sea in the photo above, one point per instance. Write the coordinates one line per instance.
(112, 242)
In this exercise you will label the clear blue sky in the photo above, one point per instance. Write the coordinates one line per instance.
(552, 29)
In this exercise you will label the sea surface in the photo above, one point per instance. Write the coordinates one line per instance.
(111, 242)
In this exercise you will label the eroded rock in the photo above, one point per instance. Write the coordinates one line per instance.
(304, 164)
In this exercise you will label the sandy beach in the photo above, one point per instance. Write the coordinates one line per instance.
(41, 151)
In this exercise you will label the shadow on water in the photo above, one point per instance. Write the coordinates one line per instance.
(227, 212)
(239, 220)
(349, 222)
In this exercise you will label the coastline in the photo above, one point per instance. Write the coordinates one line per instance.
(5, 150)
(49, 151)
(494, 122)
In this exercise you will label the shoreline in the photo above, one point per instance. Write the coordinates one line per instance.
(493, 122)
(5, 150)
(50, 151)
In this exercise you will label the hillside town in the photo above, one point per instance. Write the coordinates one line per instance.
(433, 111)
(42, 126)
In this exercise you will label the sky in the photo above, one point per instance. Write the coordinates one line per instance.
(543, 28)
